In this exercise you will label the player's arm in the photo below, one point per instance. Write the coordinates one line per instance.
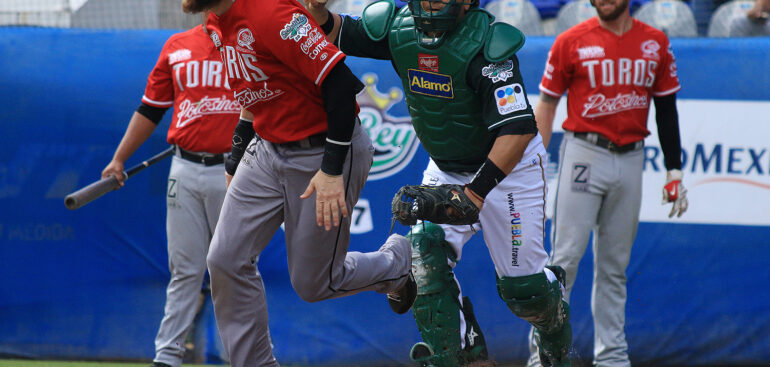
(514, 127)
(667, 118)
(143, 122)
(348, 33)
(242, 135)
(338, 91)
(545, 111)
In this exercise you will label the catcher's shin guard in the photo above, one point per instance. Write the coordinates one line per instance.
(437, 307)
(538, 301)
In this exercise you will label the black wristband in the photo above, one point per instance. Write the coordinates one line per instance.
(334, 158)
(242, 135)
(329, 24)
(488, 176)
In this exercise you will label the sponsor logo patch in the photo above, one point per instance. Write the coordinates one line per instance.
(297, 28)
(510, 98)
(499, 71)
(427, 62)
(430, 84)
(650, 49)
(245, 39)
(590, 52)
(179, 55)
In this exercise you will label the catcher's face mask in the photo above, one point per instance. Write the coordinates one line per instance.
(434, 18)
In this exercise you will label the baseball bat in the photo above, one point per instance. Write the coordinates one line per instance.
(96, 189)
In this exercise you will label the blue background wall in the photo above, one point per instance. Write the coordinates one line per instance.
(89, 284)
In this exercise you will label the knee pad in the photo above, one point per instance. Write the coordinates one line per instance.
(538, 301)
(437, 307)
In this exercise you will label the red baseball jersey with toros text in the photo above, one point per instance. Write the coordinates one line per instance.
(610, 79)
(190, 76)
(276, 57)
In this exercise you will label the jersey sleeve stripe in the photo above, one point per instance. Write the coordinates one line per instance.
(328, 64)
(501, 122)
(157, 103)
(549, 92)
(667, 92)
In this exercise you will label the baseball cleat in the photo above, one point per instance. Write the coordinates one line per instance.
(402, 300)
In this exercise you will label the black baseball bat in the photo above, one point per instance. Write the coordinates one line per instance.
(97, 189)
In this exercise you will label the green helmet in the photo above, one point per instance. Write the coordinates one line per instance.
(437, 22)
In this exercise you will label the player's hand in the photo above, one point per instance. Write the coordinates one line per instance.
(228, 178)
(674, 192)
(330, 199)
(115, 168)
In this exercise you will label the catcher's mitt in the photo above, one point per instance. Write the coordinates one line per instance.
(442, 204)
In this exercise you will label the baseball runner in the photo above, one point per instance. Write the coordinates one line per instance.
(306, 169)
(470, 111)
(190, 77)
(610, 67)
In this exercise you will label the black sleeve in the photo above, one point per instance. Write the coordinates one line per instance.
(338, 91)
(504, 102)
(354, 41)
(667, 118)
(154, 114)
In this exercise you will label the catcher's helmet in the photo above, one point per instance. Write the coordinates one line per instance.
(437, 22)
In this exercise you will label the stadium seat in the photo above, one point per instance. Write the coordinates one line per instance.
(729, 20)
(521, 14)
(572, 13)
(351, 7)
(673, 17)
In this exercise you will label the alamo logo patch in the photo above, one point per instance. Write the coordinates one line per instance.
(430, 84)
(510, 98)
(499, 71)
(297, 28)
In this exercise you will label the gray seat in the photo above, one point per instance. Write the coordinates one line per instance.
(729, 20)
(521, 14)
(572, 13)
(673, 17)
(351, 7)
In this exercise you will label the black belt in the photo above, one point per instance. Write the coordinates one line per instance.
(205, 159)
(601, 141)
(311, 141)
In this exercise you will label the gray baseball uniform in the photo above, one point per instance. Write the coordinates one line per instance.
(265, 192)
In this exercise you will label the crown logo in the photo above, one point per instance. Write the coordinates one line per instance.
(393, 137)
(373, 97)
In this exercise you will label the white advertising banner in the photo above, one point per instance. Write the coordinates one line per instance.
(726, 163)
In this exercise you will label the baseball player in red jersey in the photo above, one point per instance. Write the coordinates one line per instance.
(610, 66)
(190, 77)
(300, 97)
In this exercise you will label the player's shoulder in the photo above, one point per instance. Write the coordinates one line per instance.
(649, 31)
(579, 30)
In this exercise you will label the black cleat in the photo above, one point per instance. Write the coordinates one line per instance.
(402, 300)
(159, 364)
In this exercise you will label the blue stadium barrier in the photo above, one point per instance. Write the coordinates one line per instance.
(90, 283)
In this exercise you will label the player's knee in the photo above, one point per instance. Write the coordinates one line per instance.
(309, 290)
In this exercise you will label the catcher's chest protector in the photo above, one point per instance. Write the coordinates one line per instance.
(446, 113)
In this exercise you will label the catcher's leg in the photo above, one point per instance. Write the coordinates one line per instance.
(538, 301)
(437, 309)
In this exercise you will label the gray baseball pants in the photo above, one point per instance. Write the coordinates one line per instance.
(264, 193)
(598, 191)
(194, 198)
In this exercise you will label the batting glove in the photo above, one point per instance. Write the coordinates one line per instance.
(674, 192)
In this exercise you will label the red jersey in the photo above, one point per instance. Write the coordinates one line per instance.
(276, 57)
(609, 79)
(189, 76)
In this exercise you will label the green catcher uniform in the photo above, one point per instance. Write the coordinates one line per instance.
(460, 92)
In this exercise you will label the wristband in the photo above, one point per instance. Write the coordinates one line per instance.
(242, 135)
(487, 177)
(334, 158)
